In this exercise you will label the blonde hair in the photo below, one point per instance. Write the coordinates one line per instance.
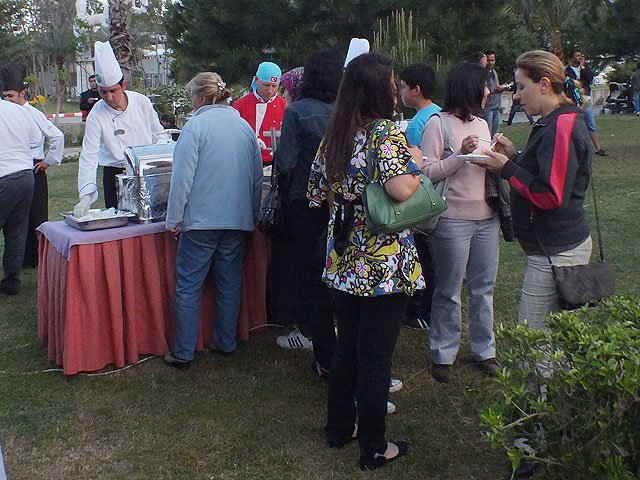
(538, 64)
(210, 86)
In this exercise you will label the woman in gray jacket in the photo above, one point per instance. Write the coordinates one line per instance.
(216, 162)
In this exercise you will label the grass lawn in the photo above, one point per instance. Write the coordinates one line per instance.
(260, 413)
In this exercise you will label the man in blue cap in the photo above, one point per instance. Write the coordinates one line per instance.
(263, 108)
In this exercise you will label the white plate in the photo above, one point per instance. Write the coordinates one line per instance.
(472, 156)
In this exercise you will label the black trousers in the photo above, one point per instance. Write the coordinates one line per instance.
(110, 186)
(38, 214)
(16, 194)
(420, 302)
(299, 294)
(368, 329)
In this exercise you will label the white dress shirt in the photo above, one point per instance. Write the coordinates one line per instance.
(49, 130)
(18, 135)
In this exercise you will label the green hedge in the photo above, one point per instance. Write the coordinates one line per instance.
(573, 392)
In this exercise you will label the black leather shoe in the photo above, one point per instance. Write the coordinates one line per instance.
(174, 362)
(217, 351)
(378, 460)
(9, 290)
(526, 469)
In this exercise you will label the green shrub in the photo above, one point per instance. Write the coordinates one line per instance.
(172, 99)
(573, 392)
(622, 73)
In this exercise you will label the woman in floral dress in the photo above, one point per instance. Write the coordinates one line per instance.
(372, 274)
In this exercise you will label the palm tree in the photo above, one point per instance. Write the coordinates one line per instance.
(119, 35)
(550, 16)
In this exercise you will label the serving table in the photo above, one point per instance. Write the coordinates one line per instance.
(107, 296)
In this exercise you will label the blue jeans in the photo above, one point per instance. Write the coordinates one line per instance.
(589, 115)
(492, 116)
(539, 298)
(636, 100)
(463, 250)
(16, 194)
(198, 251)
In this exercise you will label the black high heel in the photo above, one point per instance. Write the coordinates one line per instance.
(378, 460)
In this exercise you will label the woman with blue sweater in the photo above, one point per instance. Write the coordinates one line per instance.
(216, 162)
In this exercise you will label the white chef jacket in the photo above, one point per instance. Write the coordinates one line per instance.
(18, 135)
(49, 130)
(108, 132)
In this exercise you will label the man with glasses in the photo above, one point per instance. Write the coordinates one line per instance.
(121, 119)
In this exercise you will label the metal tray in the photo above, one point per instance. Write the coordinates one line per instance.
(98, 223)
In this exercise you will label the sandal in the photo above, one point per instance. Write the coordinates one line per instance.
(378, 460)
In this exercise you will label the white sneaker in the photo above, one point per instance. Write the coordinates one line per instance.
(390, 408)
(395, 385)
(295, 340)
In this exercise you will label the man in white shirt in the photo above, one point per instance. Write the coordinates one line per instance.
(121, 119)
(14, 91)
(18, 135)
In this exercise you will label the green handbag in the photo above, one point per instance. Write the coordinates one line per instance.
(386, 215)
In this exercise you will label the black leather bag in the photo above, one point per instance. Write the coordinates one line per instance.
(580, 285)
(272, 217)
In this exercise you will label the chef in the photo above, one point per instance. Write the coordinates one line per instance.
(121, 119)
(14, 91)
(263, 108)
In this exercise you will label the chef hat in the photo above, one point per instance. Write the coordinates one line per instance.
(108, 71)
(13, 76)
(267, 72)
(357, 47)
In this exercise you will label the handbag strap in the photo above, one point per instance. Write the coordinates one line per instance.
(597, 214)
(370, 152)
(446, 133)
(598, 227)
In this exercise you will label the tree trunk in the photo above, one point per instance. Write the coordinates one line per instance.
(556, 46)
(119, 36)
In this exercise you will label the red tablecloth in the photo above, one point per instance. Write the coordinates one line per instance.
(110, 302)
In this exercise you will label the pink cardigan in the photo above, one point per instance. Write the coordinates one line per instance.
(466, 196)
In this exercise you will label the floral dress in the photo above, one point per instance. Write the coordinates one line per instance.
(371, 264)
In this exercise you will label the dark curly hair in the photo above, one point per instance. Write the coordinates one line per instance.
(322, 75)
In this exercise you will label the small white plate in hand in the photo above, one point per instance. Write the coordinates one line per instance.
(469, 157)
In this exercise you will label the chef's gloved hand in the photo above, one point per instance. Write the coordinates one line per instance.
(261, 144)
(83, 206)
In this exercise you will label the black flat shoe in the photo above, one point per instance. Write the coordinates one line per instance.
(525, 470)
(174, 362)
(339, 443)
(378, 460)
(334, 441)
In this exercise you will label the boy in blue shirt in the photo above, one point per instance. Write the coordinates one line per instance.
(417, 84)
